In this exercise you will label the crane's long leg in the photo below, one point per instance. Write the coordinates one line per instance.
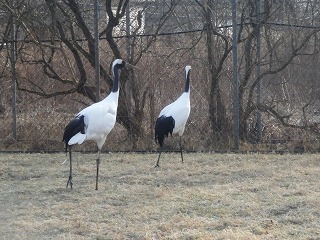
(157, 165)
(181, 149)
(98, 162)
(70, 176)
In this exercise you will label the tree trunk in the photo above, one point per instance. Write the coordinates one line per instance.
(217, 109)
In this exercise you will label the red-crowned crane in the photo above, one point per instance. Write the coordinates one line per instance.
(95, 121)
(172, 119)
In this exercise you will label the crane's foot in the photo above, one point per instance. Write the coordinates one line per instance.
(69, 182)
(157, 165)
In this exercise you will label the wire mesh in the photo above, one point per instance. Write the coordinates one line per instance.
(159, 80)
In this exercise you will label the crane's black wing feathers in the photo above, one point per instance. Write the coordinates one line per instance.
(164, 126)
(75, 126)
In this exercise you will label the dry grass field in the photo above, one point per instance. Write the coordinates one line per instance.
(210, 196)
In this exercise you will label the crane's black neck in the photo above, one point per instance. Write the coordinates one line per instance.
(115, 87)
(187, 87)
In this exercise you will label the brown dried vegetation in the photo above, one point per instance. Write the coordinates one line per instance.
(210, 196)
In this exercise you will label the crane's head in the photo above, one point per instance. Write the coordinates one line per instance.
(117, 64)
(188, 68)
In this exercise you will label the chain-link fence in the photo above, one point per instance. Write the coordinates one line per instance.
(289, 54)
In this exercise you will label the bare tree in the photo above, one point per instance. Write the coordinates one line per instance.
(218, 48)
(63, 39)
(281, 48)
(56, 58)
(278, 53)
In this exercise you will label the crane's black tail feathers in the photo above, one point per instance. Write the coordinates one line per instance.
(75, 126)
(164, 126)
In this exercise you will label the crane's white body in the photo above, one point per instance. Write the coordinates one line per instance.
(173, 118)
(180, 111)
(94, 122)
(99, 120)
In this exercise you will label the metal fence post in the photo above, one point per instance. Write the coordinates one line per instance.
(128, 31)
(96, 50)
(259, 126)
(235, 77)
(14, 78)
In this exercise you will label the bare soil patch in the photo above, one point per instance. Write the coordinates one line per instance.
(210, 196)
